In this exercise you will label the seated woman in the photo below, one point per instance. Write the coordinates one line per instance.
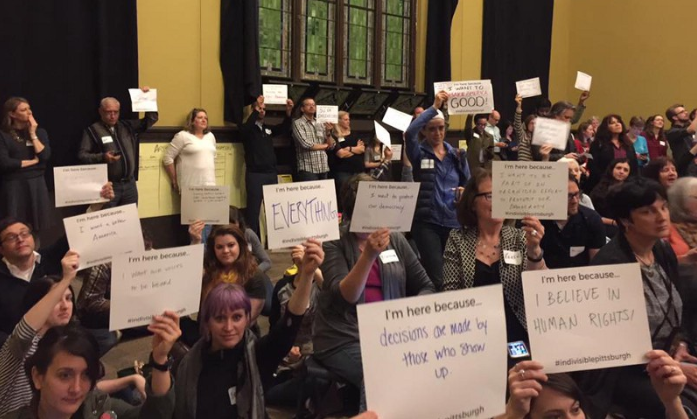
(577, 172)
(617, 172)
(360, 268)
(33, 343)
(641, 210)
(485, 251)
(536, 395)
(225, 372)
(662, 170)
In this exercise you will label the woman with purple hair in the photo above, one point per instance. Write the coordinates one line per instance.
(224, 373)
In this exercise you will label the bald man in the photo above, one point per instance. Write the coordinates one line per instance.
(115, 142)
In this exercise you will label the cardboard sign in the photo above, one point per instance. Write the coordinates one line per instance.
(210, 204)
(275, 94)
(397, 119)
(79, 185)
(468, 97)
(529, 87)
(143, 101)
(576, 315)
(421, 348)
(583, 81)
(382, 134)
(384, 205)
(327, 113)
(551, 131)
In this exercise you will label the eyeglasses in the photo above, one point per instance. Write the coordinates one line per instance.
(14, 238)
(576, 195)
(486, 195)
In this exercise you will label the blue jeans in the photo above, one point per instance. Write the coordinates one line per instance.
(430, 239)
(124, 193)
(346, 362)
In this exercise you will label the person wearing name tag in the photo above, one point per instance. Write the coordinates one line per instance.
(348, 153)
(24, 152)
(114, 141)
(655, 137)
(360, 268)
(224, 374)
(611, 142)
(641, 210)
(442, 170)
(485, 252)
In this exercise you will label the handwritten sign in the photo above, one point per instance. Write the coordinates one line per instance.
(382, 134)
(299, 211)
(583, 81)
(210, 204)
(397, 119)
(275, 94)
(396, 152)
(538, 189)
(529, 87)
(143, 101)
(467, 97)
(575, 316)
(384, 205)
(421, 348)
(150, 282)
(551, 131)
(99, 236)
(78, 185)
(327, 113)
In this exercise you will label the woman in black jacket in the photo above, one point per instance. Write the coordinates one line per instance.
(611, 142)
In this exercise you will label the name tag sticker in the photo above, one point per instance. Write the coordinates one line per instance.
(389, 256)
(107, 139)
(268, 131)
(29, 143)
(341, 139)
(576, 250)
(427, 164)
(663, 143)
(232, 392)
(512, 257)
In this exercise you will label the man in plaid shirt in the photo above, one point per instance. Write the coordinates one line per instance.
(312, 140)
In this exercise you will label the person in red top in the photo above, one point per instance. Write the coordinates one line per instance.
(655, 137)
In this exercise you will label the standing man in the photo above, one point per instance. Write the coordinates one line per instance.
(115, 142)
(259, 156)
(312, 141)
(681, 138)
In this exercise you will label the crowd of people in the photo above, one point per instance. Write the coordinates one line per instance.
(632, 198)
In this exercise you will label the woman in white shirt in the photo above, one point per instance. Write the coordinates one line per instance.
(192, 151)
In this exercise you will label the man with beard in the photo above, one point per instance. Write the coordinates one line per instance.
(681, 139)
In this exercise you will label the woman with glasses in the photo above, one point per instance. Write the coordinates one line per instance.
(24, 152)
(485, 252)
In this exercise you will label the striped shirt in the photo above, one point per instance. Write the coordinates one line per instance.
(15, 390)
(306, 134)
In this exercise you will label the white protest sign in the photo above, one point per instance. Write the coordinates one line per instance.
(583, 81)
(384, 205)
(99, 236)
(78, 185)
(421, 348)
(576, 315)
(382, 134)
(299, 211)
(397, 119)
(396, 152)
(327, 113)
(529, 87)
(538, 189)
(275, 94)
(210, 204)
(149, 282)
(467, 97)
(551, 131)
(143, 101)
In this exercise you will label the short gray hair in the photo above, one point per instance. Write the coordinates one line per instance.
(678, 194)
(103, 102)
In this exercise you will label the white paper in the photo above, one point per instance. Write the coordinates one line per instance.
(397, 119)
(551, 131)
(78, 185)
(382, 134)
(396, 152)
(147, 283)
(299, 211)
(538, 189)
(529, 87)
(210, 204)
(468, 97)
(143, 101)
(275, 94)
(422, 348)
(583, 81)
(576, 315)
(327, 113)
(101, 235)
(384, 205)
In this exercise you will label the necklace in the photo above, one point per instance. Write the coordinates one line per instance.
(483, 249)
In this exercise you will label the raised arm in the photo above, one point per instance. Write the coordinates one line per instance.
(353, 284)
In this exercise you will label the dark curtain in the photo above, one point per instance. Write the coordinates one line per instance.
(516, 45)
(239, 55)
(440, 18)
(64, 56)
